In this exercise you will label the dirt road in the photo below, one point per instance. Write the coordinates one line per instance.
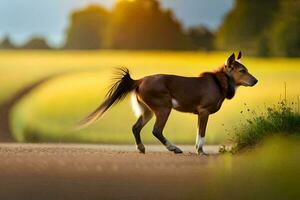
(60, 171)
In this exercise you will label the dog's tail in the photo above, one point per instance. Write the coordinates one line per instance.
(124, 85)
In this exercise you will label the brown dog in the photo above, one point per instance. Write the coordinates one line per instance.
(158, 94)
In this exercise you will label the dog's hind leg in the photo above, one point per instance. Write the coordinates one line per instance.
(145, 114)
(162, 116)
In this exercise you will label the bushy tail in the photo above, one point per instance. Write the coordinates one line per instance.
(124, 85)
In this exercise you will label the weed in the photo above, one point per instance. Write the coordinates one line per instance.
(276, 119)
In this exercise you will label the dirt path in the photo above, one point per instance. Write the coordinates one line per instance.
(5, 107)
(60, 171)
(8, 104)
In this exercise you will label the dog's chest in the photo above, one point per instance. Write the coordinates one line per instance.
(216, 107)
(212, 106)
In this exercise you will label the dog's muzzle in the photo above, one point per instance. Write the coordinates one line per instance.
(254, 82)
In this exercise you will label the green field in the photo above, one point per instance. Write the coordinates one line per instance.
(50, 110)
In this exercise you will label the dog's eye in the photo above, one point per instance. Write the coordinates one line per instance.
(242, 71)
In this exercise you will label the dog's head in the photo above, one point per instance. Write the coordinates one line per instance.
(239, 73)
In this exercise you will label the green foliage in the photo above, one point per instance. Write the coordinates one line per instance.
(262, 28)
(277, 119)
(284, 35)
(244, 25)
(87, 28)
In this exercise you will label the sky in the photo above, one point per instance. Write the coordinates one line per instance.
(21, 19)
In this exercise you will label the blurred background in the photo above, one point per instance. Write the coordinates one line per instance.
(261, 28)
(57, 59)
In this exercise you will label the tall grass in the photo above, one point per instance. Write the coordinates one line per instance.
(279, 119)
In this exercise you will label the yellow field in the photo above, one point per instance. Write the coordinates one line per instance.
(48, 112)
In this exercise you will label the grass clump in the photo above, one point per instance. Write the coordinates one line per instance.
(278, 119)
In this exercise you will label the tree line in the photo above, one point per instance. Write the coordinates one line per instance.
(258, 27)
(139, 24)
(262, 28)
(32, 43)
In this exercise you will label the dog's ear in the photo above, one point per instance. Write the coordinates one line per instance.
(230, 61)
(239, 56)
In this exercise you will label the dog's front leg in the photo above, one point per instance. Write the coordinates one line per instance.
(202, 122)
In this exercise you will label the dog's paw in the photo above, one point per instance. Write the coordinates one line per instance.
(201, 152)
(175, 149)
(141, 148)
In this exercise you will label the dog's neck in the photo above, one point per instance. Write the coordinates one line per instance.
(225, 82)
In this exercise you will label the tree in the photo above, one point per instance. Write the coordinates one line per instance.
(36, 43)
(87, 28)
(201, 37)
(142, 24)
(244, 26)
(7, 44)
(285, 31)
